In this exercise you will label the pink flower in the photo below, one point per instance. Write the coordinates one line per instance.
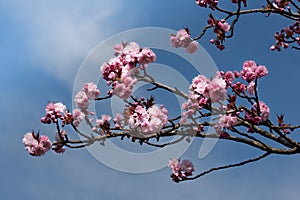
(264, 110)
(54, 111)
(124, 90)
(254, 117)
(181, 171)
(118, 120)
(91, 90)
(181, 39)
(36, 145)
(81, 100)
(251, 71)
(248, 71)
(187, 167)
(225, 121)
(216, 89)
(146, 119)
(204, 3)
(199, 84)
(132, 49)
(146, 56)
(224, 25)
(229, 77)
(261, 71)
(192, 47)
(78, 117)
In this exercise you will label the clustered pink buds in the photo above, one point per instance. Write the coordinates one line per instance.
(220, 28)
(204, 3)
(286, 36)
(181, 171)
(119, 72)
(36, 145)
(55, 111)
(183, 39)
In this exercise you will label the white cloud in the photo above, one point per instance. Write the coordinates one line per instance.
(60, 34)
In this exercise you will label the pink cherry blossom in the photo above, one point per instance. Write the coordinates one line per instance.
(146, 56)
(192, 47)
(264, 110)
(132, 49)
(36, 145)
(251, 71)
(81, 100)
(181, 39)
(119, 120)
(91, 90)
(216, 89)
(225, 121)
(187, 167)
(222, 24)
(54, 111)
(199, 84)
(255, 117)
(146, 119)
(180, 171)
(120, 71)
(204, 3)
(78, 117)
(229, 77)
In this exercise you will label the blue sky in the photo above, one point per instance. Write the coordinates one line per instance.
(42, 46)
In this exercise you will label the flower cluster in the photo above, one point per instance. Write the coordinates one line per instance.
(36, 145)
(102, 125)
(204, 3)
(287, 35)
(78, 116)
(256, 115)
(119, 72)
(183, 39)
(55, 111)
(203, 92)
(220, 28)
(225, 121)
(145, 117)
(89, 92)
(251, 71)
(180, 170)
